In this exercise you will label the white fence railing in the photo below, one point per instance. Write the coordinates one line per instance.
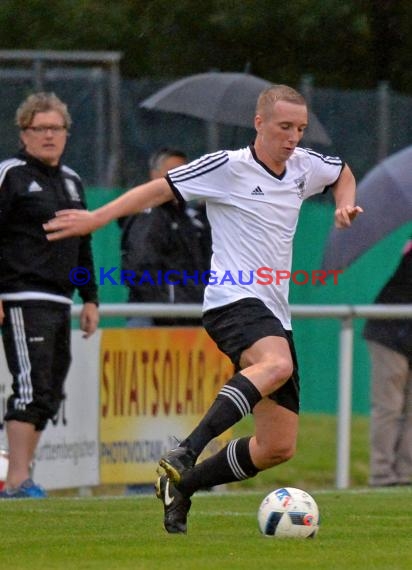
(345, 313)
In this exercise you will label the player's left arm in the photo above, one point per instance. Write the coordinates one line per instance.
(344, 193)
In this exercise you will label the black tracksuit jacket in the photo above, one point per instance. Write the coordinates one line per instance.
(166, 238)
(30, 194)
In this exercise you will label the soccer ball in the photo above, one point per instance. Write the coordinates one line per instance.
(288, 513)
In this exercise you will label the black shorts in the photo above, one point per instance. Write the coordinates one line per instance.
(236, 326)
(36, 338)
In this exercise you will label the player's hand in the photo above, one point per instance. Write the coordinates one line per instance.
(345, 216)
(69, 223)
(1, 313)
(89, 319)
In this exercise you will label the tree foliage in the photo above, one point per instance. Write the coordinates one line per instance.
(341, 43)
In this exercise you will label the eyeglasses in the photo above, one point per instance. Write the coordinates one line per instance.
(41, 130)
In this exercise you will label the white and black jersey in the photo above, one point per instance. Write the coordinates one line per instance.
(253, 214)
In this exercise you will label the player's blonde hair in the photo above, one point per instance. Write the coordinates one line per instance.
(275, 93)
(41, 103)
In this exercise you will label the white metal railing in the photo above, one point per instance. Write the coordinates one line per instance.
(346, 314)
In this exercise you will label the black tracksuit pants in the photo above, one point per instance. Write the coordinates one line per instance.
(36, 338)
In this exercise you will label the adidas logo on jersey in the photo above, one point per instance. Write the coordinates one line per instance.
(34, 187)
(258, 191)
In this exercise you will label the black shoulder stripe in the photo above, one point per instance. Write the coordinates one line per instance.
(327, 159)
(201, 166)
(204, 171)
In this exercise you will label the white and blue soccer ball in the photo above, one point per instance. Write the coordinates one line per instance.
(289, 513)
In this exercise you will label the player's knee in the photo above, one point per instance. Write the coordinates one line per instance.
(286, 369)
(287, 454)
(279, 371)
(281, 454)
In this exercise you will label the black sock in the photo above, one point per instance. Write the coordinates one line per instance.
(235, 400)
(232, 463)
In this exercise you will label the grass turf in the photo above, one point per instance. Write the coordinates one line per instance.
(359, 529)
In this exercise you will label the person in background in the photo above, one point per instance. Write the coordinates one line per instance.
(35, 288)
(253, 197)
(175, 236)
(390, 347)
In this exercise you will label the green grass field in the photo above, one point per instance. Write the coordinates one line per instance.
(361, 529)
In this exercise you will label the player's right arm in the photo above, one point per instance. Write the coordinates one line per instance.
(69, 223)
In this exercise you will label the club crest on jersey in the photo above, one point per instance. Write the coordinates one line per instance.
(72, 190)
(300, 186)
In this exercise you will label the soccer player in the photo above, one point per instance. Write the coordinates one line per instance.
(253, 197)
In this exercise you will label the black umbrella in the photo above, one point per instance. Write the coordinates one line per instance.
(385, 194)
(222, 97)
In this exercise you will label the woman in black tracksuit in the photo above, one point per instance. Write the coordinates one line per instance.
(36, 281)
